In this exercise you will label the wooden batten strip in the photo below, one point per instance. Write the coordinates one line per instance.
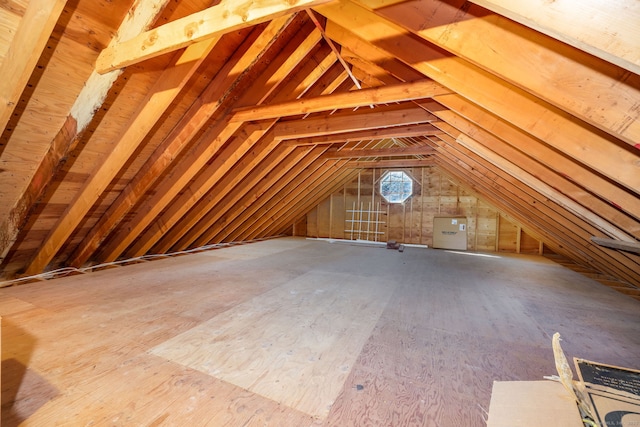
(215, 21)
(156, 102)
(336, 52)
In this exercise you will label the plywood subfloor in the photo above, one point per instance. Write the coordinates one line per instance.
(292, 332)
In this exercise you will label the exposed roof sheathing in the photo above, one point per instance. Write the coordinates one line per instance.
(154, 126)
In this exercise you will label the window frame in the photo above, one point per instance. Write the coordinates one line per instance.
(387, 196)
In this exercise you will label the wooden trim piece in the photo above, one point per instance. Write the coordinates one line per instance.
(380, 95)
(628, 246)
(158, 99)
(29, 41)
(215, 21)
(612, 33)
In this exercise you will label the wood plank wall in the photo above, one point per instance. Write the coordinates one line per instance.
(434, 193)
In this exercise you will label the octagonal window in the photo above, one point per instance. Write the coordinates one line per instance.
(396, 186)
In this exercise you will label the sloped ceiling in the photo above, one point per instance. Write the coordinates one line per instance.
(157, 126)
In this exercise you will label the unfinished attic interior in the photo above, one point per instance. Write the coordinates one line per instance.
(196, 199)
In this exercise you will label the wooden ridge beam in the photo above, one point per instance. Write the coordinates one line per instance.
(357, 98)
(335, 51)
(387, 164)
(557, 128)
(536, 62)
(158, 99)
(229, 15)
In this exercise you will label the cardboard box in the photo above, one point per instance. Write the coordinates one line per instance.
(605, 395)
(450, 232)
(532, 404)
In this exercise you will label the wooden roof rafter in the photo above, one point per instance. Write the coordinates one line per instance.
(501, 98)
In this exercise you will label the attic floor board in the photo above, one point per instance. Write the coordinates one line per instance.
(293, 332)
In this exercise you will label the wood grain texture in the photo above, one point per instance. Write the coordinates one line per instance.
(281, 328)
